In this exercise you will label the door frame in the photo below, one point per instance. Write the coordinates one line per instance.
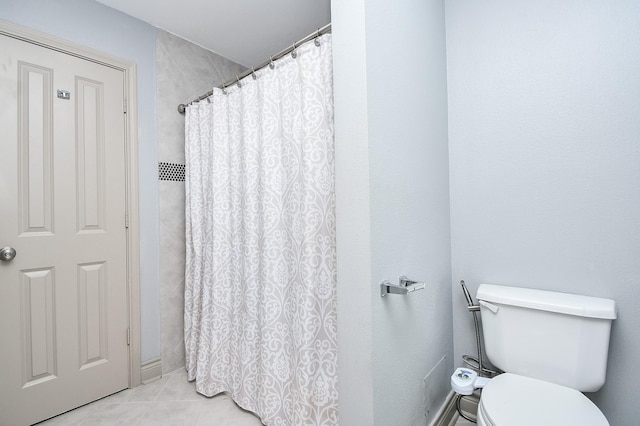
(131, 169)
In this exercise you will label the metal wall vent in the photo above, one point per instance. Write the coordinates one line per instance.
(171, 171)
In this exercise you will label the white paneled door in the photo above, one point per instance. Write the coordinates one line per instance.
(63, 297)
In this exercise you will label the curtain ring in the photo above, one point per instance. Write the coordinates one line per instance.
(224, 89)
(315, 40)
(238, 81)
(271, 64)
(253, 73)
(294, 54)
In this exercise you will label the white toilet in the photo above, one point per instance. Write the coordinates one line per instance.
(552, 346)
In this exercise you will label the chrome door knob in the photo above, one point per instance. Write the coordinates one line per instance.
(7, 254)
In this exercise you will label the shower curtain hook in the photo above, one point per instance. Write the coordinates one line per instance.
(253, 73)
(224, 89)
(315, 40)
(294, 54)
(271, 64)
(238, 81)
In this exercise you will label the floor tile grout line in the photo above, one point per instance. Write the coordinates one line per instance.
(163, 386)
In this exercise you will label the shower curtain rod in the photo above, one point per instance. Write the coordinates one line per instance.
(315, 34)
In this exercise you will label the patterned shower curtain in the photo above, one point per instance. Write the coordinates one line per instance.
(260, 296)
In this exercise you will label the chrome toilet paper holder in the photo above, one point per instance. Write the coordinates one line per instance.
(405, 286)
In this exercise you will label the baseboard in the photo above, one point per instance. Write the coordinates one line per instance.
(151, 370)
(447, 413)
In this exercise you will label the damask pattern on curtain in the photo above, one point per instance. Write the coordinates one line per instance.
(260, 292)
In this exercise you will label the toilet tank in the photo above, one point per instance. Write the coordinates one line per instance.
(557, 337)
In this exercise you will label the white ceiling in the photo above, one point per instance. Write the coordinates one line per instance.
(245, 31)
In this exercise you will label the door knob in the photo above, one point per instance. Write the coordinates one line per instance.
(7, 253)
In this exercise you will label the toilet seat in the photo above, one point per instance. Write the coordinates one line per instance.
(510, 399)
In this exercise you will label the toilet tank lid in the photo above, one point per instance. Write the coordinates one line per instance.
(564, 303)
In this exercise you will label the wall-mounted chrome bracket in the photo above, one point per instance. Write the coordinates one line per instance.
(405, 286)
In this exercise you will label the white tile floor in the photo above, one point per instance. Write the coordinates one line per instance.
(171, 400)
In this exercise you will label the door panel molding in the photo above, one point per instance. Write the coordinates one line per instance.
(37, 294)
(131, 157)
(90, 151)
(35, 153)
(92, 301)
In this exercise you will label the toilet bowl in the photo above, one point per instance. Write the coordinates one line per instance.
(510, 400)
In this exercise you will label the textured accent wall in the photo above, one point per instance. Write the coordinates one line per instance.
(184, 71)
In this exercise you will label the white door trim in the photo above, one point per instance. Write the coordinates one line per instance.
(131, 140)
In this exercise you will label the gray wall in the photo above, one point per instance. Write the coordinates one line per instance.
(544, 133)
(409, 207)
(355, 286)
(94, 25)
(184, 72)
(393, 209)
